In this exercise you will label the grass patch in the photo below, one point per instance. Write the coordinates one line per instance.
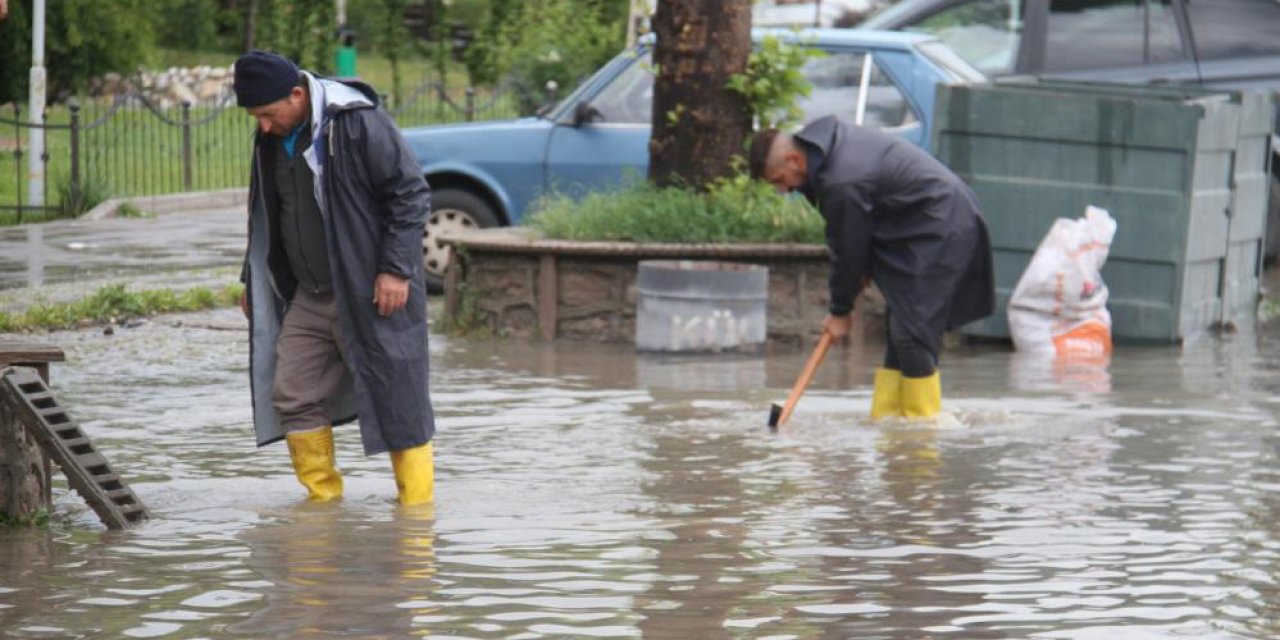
(130, 210)
(734, 211)
(77, 201)
(113, 303)
(11, 218)
(40, 518)
(468, 320)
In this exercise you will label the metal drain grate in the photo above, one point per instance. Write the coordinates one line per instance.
(87, 470)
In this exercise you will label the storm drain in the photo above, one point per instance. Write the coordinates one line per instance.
(87, 470)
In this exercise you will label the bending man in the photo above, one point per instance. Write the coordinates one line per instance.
(899, 217)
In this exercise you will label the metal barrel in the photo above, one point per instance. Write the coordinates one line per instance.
(701, 306)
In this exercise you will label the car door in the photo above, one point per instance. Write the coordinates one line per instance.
(603, 141)
(1107, 38)
(836, 80)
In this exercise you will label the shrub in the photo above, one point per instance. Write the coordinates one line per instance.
(774, 81)
(89, 194)
(734, 210)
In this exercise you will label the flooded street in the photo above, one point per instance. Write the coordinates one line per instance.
(585, 491)
(69, 259)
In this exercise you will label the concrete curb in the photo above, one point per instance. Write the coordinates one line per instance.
(173, 203)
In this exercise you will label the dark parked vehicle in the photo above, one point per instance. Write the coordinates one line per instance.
(1233, 44)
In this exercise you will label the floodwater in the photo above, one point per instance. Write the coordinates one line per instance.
(584, 491)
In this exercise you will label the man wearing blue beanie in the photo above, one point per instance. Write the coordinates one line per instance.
(334, 285)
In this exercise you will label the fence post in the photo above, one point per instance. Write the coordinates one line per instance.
(186, 145)
(17, 156)
(44, 164)
(471, 103)
(76, 191)
(551, 88)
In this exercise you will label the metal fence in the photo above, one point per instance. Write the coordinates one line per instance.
(131, 145)
(436, 103)
(15, 204)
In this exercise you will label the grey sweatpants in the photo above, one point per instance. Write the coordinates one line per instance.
(310, 362)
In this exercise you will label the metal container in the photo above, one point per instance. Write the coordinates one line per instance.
(691, 306)
(1182, 170)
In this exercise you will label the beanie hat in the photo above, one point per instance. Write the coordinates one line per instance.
(262, 77)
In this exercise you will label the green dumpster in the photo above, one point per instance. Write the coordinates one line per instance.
(1182, 170)
(345, 56)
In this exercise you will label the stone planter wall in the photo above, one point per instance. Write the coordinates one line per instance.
(519, 286)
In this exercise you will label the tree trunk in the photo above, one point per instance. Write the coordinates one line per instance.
(698, 123)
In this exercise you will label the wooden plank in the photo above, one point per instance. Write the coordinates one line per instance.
(29, 353)
(452, 280)
(548, 296)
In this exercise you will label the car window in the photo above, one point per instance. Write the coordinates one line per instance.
(955, 66)
(628, 99)
(562, 110)
(836, 77)
(1101, 34)
(1235, 28)
(983, 32)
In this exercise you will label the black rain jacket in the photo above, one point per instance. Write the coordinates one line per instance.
(898, 215)
(374, 202)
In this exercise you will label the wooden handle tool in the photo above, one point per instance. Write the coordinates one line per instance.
(778, 415)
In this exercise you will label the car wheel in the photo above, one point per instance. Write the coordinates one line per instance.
(451, 210)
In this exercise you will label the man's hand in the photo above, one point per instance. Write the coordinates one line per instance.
(244, 303)
(390, 293)
(837, 326)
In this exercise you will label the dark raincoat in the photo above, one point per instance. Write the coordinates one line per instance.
(898, 215)
(374, 202)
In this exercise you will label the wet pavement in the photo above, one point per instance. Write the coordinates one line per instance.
(585, 490)
(68, 259)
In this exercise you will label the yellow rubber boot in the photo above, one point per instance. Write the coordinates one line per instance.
(922, 397)
(313, 463)
(886, 398)
(415, 474)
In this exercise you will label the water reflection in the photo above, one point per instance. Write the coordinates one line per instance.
(1049, 372)
(698, 570)
(327, 573)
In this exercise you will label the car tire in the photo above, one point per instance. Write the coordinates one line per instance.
(451, 210)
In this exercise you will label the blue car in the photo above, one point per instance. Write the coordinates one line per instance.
(489, 173)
